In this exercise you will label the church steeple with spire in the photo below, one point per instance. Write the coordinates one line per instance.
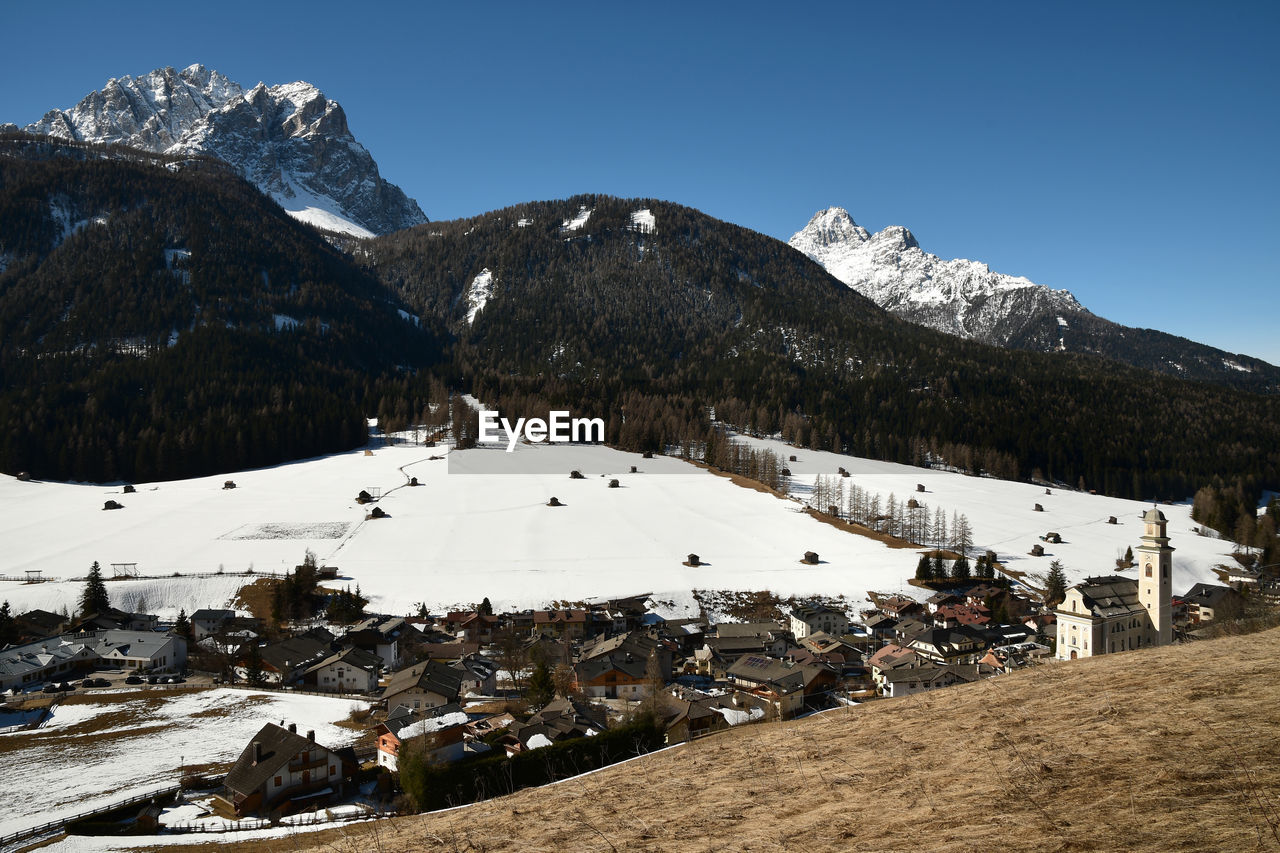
(1155, 577)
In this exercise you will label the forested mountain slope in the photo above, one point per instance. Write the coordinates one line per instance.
(650, 314)
(160, 317)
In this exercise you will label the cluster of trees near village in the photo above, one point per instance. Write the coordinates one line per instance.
(163, 320)
(1232, 510)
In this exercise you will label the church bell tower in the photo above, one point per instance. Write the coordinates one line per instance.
(1155, 578)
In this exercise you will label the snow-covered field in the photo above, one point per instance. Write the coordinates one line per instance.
(94, 754)
(1003, 517)
(462, 536)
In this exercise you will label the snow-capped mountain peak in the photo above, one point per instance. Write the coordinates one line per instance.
(833, 226)
(959, 296)
(289, 140)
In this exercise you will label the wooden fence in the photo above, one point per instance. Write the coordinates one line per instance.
(66, 820)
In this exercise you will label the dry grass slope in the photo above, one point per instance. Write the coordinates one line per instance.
(1168, 749)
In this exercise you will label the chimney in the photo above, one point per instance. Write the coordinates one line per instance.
(293, 728)
(311, 735)
(257, 752)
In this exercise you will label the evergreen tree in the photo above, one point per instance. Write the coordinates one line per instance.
(182, 627)
(8, 629)
(542, 688)
(1055, 584)
(983, 568)
(253, 667)
(485, 608)
(960, 569)
(939, 568)
(963, 535)
(1128, 555)
(924, 569)
(94, 598)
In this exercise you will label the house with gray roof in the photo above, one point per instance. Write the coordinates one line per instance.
(285, 662)
(350, 670)
(429, 684)
(59, 658)
(812, 618)
(281, 772)
(1206, 601)
(51, 659)
(145, 650)
(206, 622)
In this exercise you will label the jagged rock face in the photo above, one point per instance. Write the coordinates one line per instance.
(960, 297)
(289, 140)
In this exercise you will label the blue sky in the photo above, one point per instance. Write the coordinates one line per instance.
(1125, 152)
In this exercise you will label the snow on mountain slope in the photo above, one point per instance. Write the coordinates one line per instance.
(289, 140)
(478, 293)
(960, 297)
(463, 536)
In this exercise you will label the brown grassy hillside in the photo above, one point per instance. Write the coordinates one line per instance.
(1167, 749)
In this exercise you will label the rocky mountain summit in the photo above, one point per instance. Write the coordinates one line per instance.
(289, 140)
(968, 299)
(961, 297)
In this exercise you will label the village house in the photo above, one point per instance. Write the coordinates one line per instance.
(955, 615)
(890, 657)
(206, 622)
(350, 670)
(281, 772)
(810, 618)
(881, 627)
(949, 645)
(941, 598)
(388, 637)
(59, 658)
(142, 650)
(479, 676)
(614, 676)
(54, 658)
(850, 650)
(448, 652)
(560, 719)
(471, 627)
(684, 719)
(35, 624)
(901, 607)
(920, 679)
(443, 731)
(561, 623)
(285, 662)
(911, 627)
(424, 685)
(638, 644)
(1205, 602)
(787, 685)
(113, 619)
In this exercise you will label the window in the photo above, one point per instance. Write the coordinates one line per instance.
(279, 781)
(331, 769)
(1148, 570)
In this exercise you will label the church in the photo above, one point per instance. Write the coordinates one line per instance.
(1115, 614)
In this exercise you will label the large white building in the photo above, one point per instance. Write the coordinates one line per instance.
(1112, 614)
(60, 658)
